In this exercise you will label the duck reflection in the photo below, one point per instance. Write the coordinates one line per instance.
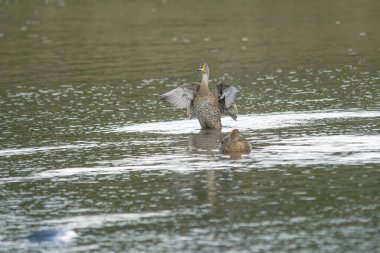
(212, 186)
(208, 142)
(205, 142)
(235, 145)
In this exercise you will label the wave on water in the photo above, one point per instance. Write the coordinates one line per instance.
(247, 122)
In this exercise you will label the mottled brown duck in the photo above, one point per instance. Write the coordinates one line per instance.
(234, 143)
(203, 104)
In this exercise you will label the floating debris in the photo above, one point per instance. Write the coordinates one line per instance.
(174, 39)
(337, 22)
(244, 39)
(206, 39)
(362, 34)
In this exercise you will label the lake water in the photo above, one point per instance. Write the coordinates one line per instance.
(87, 147)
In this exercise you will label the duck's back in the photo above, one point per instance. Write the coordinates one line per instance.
(242, 146)
(228, 145)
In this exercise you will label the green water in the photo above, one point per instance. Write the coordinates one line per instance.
(87, 146)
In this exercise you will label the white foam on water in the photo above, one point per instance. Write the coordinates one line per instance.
(247, 122)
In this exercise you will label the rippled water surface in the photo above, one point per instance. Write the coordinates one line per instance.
(88, 152)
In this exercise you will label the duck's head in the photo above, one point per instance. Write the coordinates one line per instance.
(235, 135)
(203, 68)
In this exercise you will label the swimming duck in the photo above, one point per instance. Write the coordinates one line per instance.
(235, 143)
(203, 104)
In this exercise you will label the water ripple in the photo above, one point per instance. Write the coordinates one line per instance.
(312, 150)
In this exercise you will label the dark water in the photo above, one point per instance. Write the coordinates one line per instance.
(87, 147)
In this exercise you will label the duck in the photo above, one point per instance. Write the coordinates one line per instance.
(201, 103)
(235, 142)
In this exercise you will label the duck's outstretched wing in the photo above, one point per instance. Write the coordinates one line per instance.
(227, 94)
(182, 97)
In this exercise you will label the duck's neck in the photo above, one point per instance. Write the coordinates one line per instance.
(204, 83)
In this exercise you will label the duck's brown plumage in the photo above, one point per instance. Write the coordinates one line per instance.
(235, 143)
(203, 104)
